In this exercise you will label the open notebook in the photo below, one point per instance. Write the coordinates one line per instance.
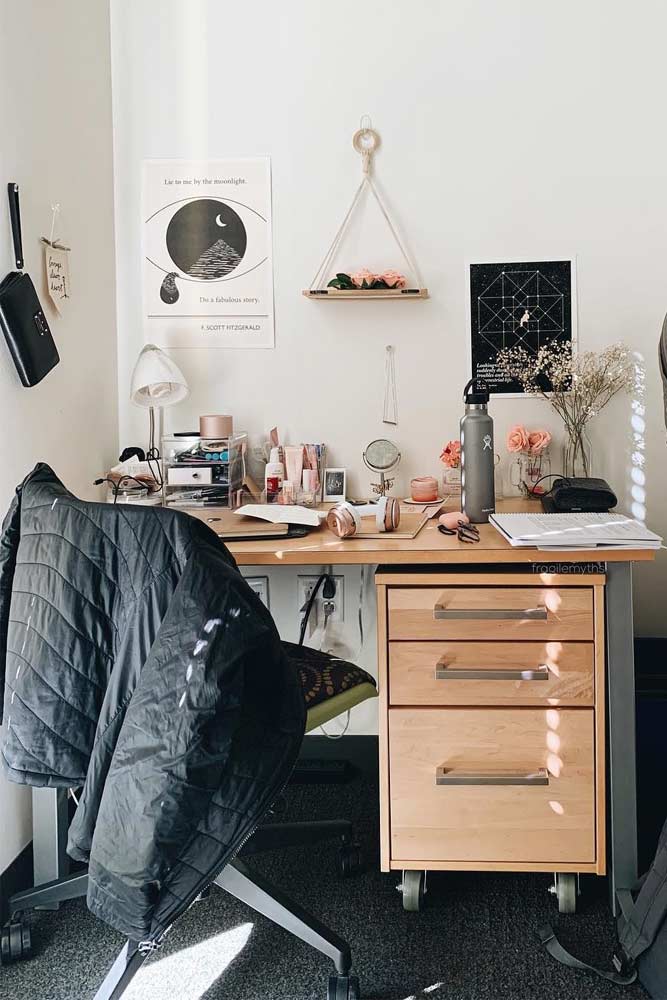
(573, 531)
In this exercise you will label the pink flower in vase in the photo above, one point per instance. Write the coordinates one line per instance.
(517, 439)
(451, 454)
(538, 441)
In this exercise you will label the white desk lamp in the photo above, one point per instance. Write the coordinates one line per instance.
(156, 382)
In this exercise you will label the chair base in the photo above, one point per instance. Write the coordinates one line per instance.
(240, 882)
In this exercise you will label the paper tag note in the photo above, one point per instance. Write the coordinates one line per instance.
(56, 264)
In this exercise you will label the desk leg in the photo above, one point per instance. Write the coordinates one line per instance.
(49, 835)
(622, 748)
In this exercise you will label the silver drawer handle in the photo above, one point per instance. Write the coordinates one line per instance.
(533, 614)
(444, 672)
(447, 776)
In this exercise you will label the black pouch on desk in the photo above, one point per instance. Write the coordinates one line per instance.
(579, 494)
(21, 316)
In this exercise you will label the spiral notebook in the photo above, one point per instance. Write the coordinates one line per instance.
(575, 531)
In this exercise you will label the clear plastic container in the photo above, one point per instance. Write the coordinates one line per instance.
(200, 472)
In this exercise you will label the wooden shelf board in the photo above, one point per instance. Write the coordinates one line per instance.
(328, 294)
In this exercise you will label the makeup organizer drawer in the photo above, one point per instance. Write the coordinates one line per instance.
(505, 613)
(501, 785)
(491, 673)
(492, 721)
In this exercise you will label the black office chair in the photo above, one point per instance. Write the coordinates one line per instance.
(138, 551)
(331, 687)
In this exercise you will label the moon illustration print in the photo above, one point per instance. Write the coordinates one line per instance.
(207, 249)
(206, 239)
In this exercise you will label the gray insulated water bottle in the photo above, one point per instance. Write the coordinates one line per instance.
(478, 492)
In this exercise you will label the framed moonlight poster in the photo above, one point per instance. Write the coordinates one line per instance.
(518, 303)
(207, 267)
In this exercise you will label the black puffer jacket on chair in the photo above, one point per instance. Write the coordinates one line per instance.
(140, 665)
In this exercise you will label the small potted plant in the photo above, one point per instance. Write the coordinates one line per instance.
(532, 464)
(450, 456)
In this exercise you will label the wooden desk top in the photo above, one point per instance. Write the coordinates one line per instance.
(430, 547)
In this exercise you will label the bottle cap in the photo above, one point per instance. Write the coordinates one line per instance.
(275, 455)
(476, 391)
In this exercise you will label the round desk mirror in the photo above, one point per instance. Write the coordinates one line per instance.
(381, 456)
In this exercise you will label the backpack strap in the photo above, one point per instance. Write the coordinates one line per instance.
(625, 971)
(643, 920)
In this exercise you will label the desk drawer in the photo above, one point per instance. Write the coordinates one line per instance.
(518, 785)
(491, 673)
(505, 613)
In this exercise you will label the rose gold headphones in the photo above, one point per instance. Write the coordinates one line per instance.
(345, 519)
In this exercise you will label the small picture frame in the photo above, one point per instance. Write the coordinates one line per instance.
(335, 482)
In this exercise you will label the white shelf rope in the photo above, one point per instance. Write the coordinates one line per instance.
(365, 141)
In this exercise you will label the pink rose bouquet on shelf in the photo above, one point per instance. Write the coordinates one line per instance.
(392, 278)
(365, 280)
(451, 454)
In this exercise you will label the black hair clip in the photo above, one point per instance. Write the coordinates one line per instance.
(464, 531)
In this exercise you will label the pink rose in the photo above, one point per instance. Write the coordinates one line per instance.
(451, 454)
(363, 275)
(517, 439)
(538, 441)
(393, 278)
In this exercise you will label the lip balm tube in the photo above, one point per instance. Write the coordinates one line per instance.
(310, 480)
(294, 464)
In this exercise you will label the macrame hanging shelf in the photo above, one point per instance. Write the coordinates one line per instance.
(365, 141)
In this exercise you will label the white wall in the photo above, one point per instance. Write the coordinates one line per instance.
(55, 118)
(517, 129)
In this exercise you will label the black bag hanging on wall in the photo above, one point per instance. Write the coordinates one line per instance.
(21, 316)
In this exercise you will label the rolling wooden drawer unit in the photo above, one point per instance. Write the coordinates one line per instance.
(492, 724)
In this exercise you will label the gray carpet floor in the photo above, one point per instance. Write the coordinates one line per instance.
(474, 941)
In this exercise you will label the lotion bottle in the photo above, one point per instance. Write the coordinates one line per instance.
(274, 467)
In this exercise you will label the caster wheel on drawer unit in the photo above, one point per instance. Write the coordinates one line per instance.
(566, 889)
(343, 988)
(413, 890)
(15, 942)
(350, 860)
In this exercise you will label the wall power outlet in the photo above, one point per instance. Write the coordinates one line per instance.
(304, 588)
(260, 584)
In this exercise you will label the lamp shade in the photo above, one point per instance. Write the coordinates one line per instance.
(156, 380)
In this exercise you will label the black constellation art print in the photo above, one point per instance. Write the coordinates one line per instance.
(525, 303)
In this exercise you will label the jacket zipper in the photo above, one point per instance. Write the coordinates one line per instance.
(153, 944)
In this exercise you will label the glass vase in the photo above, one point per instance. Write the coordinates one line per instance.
(451, 483)
(528, 472)
(577, 454)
